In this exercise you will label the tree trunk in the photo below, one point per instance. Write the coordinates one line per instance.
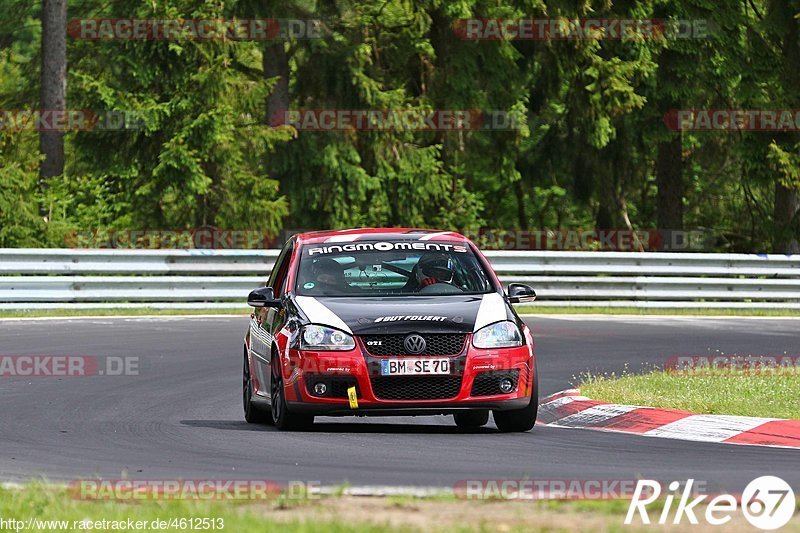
(276, 64)
(787, 219)
(669, 161)
(522, 213)
(54, 84)
(786, 213)
(669, 179)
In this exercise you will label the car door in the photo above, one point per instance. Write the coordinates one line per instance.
(266, 320)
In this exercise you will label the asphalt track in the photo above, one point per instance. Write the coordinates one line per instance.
(181, 416)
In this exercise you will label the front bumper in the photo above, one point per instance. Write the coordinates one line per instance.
(406, 408)
(357, 368)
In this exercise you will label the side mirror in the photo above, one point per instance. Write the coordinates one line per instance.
(519, 293)
(263, 297)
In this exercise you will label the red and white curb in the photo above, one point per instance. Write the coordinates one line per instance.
(569, 409)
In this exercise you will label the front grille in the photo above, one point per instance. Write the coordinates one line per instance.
(337, 386)
(437, 344)
(416, 387)
(488, 383)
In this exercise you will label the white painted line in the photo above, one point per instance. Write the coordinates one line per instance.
(559, 394)
(563, 401)
(358, 490)
(707, 428)
(383, 491)
(594, 415)
(695, 428)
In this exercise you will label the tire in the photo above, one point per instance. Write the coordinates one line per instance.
(281, 417)
(520, 420)
(252, 413)
(471, 419)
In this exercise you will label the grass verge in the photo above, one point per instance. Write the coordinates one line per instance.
(330, 514)
(53, 509)
(766, 392)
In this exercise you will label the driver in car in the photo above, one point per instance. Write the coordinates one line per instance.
(329, 276)
(434, 268)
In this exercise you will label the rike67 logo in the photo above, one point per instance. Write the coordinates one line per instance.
(768, 503)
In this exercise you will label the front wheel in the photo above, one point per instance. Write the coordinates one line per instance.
(281, 416)
(519, 420)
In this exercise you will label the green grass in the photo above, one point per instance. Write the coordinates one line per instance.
(302, 515)
(52, 503)
(331, 514)
(770, 393)
(599, 310)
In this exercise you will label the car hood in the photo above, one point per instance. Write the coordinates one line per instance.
(422, 314)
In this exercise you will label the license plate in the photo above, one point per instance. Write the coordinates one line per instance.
(415, 367)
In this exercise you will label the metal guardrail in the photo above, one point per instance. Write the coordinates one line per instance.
(67, 278)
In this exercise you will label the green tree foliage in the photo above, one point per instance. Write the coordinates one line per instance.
(586, 149)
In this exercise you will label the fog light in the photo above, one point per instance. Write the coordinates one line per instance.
(506, 385)
(320, 389)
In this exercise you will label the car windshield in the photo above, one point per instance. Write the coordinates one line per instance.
(390, 269)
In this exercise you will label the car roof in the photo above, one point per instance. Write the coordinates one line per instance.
(378, 234)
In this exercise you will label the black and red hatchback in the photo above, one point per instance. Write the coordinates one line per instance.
(388, 322)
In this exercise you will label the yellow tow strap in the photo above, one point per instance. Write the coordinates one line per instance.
(353, 397)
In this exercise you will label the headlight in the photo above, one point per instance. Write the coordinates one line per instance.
(498, 335)
(322, 338)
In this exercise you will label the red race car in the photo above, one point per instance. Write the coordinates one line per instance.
(388, 322)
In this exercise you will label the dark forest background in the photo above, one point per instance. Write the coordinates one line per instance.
(591, 149)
